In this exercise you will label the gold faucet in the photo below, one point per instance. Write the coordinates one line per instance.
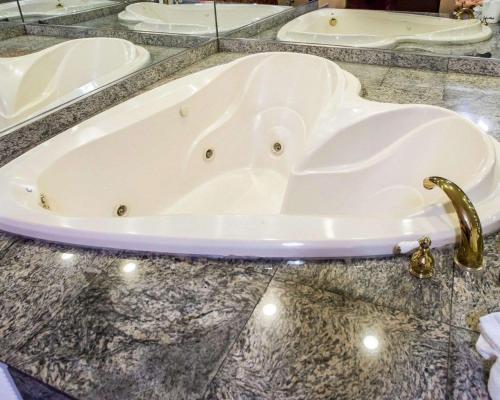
(422, 261)
(463, 13)
(470, 250)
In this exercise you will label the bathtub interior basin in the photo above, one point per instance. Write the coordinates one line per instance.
(253, 158)
(50, 8)
(380, 29)
(38, 82)
(196, 18)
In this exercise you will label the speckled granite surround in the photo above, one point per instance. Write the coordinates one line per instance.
(274, 20)
(43, 128)
(176, 328)
(473, 65)
(8, 30)
(152, 39)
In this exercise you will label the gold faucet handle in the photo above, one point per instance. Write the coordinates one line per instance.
(422, 261)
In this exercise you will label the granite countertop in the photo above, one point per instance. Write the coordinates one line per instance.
(103, 324)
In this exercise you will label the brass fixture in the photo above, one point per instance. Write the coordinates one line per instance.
(43, 201)
(470, 250)
(484, 20)
(209, 154)
(422, 261)
(333, 21)
(463, 13)
(277, 148)
(121, 210)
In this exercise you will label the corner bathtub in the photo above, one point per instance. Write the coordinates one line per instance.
(195, 19)
(253, 158)
(380, 29)
(48, 8)
(38, 82)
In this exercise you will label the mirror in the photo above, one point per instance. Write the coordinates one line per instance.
(178, 17)
(10, 12)
(446, 27)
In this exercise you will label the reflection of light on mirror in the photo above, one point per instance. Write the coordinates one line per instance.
(67, 256)
(370, 342)
(269, 309)
(129, 267)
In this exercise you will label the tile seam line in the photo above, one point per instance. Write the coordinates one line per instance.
(448, 369)
(205, 392)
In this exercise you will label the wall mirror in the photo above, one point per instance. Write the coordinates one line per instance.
(446, 27)
(179, 17)
(9, 13)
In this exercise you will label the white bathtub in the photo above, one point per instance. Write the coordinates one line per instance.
(38, 82)
(194, 18)
(193, 167)
(380, 29)
(49, 8)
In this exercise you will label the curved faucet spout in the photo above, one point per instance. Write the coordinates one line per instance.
(470, 250)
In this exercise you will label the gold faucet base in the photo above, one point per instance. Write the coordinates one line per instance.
(422, 261)
(466, 268)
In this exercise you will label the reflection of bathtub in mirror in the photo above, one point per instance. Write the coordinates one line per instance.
(274, 154)
(50, 8)
(194, 18)
(37, 82)
(380, 29)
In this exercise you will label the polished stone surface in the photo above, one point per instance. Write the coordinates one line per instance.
(466, 65)
(35, 280)
(468, 372)
(382, 281)
(168, 327)
(150, 325)
(306, 343)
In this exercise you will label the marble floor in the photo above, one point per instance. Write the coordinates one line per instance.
(100, 324)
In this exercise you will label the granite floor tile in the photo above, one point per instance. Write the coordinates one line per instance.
(409, 78)
(408, 95)
(6, 239)
(382, 281)
(147, 327)
(31, 389)
(35, 280)
(472, 82)
(304, 343)
(468, 372)
(478, 293)
(369, 75)
(211, 61)
(479, 106)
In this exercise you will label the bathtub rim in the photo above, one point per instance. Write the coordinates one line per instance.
(389, 43)
(26, 221)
